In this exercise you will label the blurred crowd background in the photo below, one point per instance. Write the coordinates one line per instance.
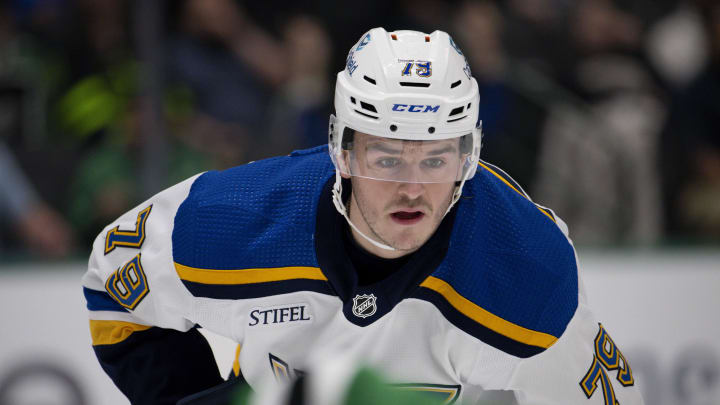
(606, 111)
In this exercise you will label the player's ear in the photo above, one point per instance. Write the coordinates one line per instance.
(344, 163)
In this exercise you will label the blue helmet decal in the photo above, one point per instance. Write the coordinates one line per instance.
(466, 69)
(416, 108)
(351, 64)
(454, 45)
(363, 42)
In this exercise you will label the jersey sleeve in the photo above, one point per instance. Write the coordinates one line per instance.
(139, 311)
(584, 366)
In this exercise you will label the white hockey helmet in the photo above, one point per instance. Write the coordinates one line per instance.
(409, 93)
(405, 85)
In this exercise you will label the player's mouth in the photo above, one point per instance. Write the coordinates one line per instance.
(407, 217)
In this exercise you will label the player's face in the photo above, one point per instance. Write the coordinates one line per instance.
(401, 214)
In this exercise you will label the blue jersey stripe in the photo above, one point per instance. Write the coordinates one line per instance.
(257, 290)
(101, 301)
(494, 339)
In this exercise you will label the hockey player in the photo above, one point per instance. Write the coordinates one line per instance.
(400, 249)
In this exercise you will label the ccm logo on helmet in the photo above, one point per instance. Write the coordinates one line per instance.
(415, 108)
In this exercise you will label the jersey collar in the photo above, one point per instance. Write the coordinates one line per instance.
(336, 265)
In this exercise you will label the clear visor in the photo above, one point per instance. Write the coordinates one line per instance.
(379, 158)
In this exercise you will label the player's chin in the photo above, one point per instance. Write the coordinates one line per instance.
(408, 241)
(408, 248)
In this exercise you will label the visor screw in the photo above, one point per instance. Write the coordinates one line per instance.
(431, 130)
(393, 127)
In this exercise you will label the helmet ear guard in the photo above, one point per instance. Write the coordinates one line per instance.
(338, 144)
(348, 138)
(474, 149)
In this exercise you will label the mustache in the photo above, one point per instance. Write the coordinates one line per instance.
(406, 203)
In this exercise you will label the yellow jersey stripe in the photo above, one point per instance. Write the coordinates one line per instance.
(516, 190)
(247, 276)
(236, 362)
(111, 332)
(487, 319)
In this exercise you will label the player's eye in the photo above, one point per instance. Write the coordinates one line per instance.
(387, 163)
(433, 163)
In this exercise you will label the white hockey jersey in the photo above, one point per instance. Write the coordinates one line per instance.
(491, 302)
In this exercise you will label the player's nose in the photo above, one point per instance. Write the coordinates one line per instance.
(411, 190)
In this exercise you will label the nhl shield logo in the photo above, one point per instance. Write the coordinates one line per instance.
(364, 305)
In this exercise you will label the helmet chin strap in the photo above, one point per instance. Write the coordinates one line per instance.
(340, 207)
(456, 195)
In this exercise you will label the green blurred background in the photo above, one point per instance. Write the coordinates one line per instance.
(606, 111)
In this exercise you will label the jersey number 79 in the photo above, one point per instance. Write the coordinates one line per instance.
(607, 356)
(128, 285)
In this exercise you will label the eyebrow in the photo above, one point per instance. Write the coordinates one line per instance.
(446, 149)
(383, 148)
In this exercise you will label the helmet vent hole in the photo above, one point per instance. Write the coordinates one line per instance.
(457, 119)
(368, 107)
(427, 38)
(366, 115)
(456, 111)
(393, 127)
(455, 84)
(414, 84)
(431, 130)
(469, 104)
(394, 37)
(369, 79)
(352, 100)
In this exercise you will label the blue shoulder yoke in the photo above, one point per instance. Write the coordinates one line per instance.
(510, 260)
(254, 215)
